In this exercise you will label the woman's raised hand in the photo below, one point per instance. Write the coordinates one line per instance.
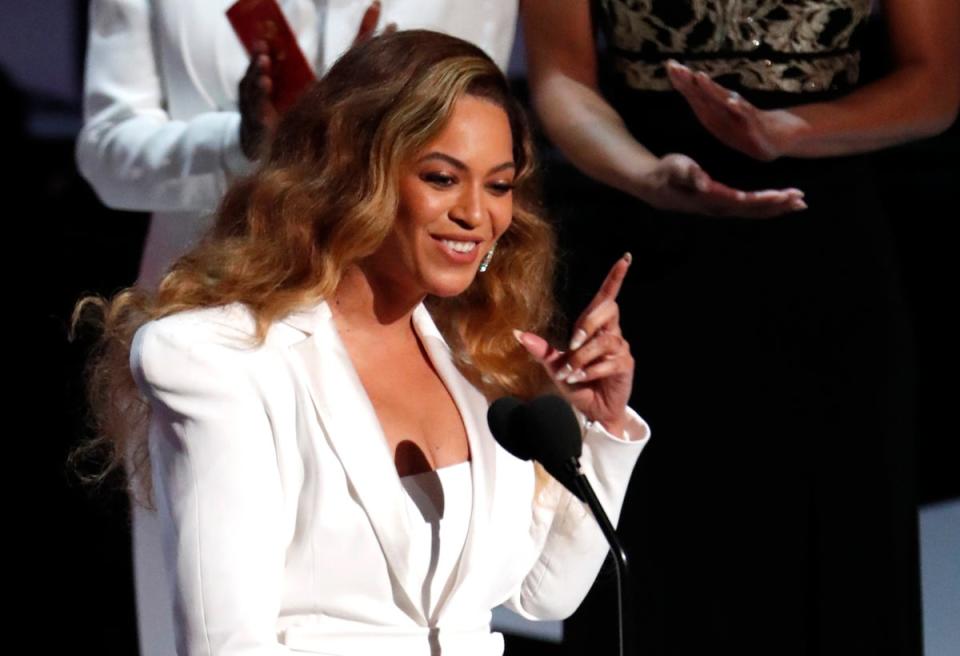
(595, 373)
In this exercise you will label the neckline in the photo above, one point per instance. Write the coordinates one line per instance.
(439, 471)
(425, 329)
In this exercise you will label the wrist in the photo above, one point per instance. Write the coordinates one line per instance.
(249, 141)
(615, 426)
(786, 131)
(235, 161)
(646, 178)
(629, 427)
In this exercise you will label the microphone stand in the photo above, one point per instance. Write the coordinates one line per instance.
(619, 555)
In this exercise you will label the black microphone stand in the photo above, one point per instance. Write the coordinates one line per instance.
(619, 555)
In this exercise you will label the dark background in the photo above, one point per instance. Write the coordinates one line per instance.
(74, 577)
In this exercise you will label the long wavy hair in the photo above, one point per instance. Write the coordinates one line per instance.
(325, 197)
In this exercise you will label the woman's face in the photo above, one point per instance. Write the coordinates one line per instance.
(455, 201)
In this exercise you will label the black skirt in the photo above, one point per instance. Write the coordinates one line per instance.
(774, 510)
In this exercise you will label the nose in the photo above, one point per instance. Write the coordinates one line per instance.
(469, 211)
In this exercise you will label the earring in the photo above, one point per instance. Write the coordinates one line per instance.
(485, 262)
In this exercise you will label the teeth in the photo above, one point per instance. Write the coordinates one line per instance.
(459, 246)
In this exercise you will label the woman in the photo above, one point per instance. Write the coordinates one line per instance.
(171, 120)
(317, 439)
(779, 514)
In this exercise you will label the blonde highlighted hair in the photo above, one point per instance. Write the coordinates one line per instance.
(325, 197)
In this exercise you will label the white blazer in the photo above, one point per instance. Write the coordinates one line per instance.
(161, 129)
(283, 518)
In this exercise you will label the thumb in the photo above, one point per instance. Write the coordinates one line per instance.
(687, 173)
(536, 346)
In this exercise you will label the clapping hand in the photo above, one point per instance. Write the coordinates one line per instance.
(763, 135)
(258, 116)
(677, 183)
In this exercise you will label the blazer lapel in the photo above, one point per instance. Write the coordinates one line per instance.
(351, 425)
(472, 406)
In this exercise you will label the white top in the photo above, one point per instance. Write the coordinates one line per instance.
(438, 505)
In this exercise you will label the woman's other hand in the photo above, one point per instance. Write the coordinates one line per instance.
(596, 373)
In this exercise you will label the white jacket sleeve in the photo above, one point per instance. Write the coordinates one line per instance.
(570, 544)
(131, 151)
(218, 490)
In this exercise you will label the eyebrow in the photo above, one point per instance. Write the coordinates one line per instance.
(453, 161)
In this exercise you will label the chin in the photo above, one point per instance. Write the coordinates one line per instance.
(450, 285)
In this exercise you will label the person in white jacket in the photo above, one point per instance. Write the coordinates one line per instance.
(161, 134)
(161, 130)
(317, 373)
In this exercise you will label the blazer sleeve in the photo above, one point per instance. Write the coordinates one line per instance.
(131, 151)
(218, 489)
(571, 547)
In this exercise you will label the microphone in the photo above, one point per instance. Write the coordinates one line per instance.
(506, 421)
(547, 430)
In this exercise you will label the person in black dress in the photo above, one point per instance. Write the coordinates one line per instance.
(775, 514)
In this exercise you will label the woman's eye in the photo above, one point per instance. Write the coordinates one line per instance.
(501, 188)
(439, 179)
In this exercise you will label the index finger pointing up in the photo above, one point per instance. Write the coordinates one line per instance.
(584, 326)
(612, 283)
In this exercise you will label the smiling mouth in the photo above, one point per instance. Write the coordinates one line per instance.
(459, 246)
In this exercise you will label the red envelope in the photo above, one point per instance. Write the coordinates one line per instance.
(262, 20)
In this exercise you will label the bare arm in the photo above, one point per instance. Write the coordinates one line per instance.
(562, 65)
(920, 97)
(562, 62)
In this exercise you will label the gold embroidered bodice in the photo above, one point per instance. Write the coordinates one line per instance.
(772, 45)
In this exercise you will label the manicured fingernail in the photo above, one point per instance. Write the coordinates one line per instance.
(800, 205)
(579, 338)
(628, 257)
(518, 335)
(576, 377)
(564, 372)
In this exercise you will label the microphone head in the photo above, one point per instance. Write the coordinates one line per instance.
(551, 418)
(506, 421)
(555, 432)
(545, 430)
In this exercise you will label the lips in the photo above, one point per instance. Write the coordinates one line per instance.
(461, 251)
(459, 246)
